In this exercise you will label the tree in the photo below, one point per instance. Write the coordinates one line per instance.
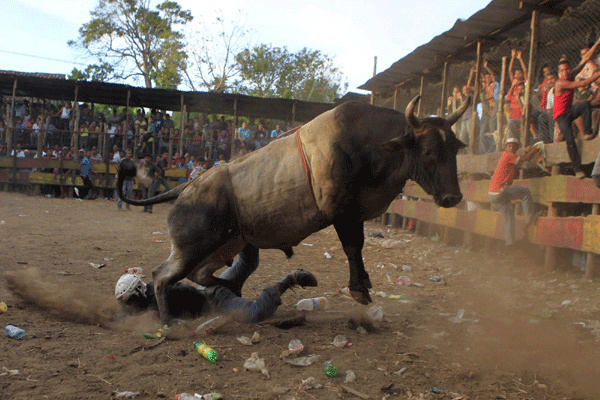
(308, 75)
(137, 41)
(212, 53)
(95, 73)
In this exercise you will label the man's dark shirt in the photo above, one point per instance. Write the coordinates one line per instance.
(184, 301)
(153, 170)
(162, 164)
(127, 164)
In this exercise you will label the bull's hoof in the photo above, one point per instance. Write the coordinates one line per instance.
(363, 297)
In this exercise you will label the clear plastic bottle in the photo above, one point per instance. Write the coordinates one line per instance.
(186, 396)
(209, 327)
(345, 290)
(316, 303)
(14, 332)
(376, 312)
(135, 271)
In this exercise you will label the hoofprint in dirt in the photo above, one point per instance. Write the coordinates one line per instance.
(491, 327)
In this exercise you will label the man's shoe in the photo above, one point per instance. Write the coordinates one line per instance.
(580, 175)
(588, 137)
(301, 278)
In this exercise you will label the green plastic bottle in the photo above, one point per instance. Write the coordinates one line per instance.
(330, 369)
(210, 354)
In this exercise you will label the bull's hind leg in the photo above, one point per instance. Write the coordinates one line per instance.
(352, 236)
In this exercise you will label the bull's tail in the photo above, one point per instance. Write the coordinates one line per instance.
(161, 198)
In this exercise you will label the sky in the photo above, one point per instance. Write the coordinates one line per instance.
(34, 34)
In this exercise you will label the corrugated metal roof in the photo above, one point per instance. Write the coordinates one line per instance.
(116, 94)
(499, 20)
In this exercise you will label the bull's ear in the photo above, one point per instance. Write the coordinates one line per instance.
(400, 142)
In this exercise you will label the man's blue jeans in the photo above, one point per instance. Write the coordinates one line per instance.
(127, 192)
(223, 300)
(503, 202)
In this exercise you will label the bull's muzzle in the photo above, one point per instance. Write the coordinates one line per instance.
(448, 200)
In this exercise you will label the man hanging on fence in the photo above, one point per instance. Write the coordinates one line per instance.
(502, 192)
(85, 168)
(565, 112)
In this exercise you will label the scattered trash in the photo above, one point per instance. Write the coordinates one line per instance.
(22, 215)
(157, 233)
(345, 290)
(295, 346)
(547, 313)
(108, 259)
(303, 361)
(134, 271)
(350, 377)
(3, 307)
(435, 278)
(254, 363)
(14, 332)
(210, 326)
(312, 304)
(567, 303)
(378, 235)
(406, 268)
(158, 334)
(390, 243)
(9, 372)
(341, 341)
(187, 396)
(210, 354)
(435, 390)
(381, 294)
(380, 266)
(403, 281)
(2, 222)
(255, 337)
(457, 319)
(400, 372)
(158, 241)
(309, 383)
(245, 340)
(417, 284)
(126, 395)
(397, 297)
(211, 396)
(376, 313)
(307, 244)
(330, 369)
(112, 358)
(327, 255)
(389, 277)
(361, 330)
(97, 266)
(436, 237)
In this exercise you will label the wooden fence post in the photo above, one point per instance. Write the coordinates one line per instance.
(473, 133)
(530, 77)
(592, 258)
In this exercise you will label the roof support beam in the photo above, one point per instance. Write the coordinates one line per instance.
(540, 8)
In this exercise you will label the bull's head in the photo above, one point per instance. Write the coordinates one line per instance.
(432, 153)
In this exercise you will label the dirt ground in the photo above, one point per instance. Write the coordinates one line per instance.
(525, 334)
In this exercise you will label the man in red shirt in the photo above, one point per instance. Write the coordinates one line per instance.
(565, 112)
(502, 192)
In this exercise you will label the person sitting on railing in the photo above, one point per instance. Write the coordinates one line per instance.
(502, 192)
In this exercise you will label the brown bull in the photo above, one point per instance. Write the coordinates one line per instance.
(354, 161)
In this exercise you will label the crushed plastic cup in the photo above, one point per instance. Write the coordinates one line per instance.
(309, 383)
(303, 361)
(327, 255)
(406, 268)
(403, 281)
(341, 341)
(376, 313)
(254, 363)
(245, 340)
(458, 318)
(350, 377)
(381, 294)
(295, 346)
(255, 337)
(435, 278)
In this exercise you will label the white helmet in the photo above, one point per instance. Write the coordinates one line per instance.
(128, 285)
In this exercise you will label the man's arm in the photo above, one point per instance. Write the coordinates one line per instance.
(531, 151)
(523, 66)
(513, 53)
(566, 84)
(586, 57)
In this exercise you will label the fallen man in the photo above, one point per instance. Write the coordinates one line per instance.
(187, 301)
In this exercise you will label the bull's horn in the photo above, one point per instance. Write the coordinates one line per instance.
(458, 113)
(410, 113)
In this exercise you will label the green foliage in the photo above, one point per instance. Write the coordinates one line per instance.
(95, 73)
(308, 75)
(136, 41)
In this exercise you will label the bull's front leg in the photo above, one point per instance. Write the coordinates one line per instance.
(352, 236)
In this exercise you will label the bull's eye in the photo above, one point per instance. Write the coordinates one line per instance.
(427, 153)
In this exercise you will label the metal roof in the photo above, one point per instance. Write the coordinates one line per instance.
(496, 22)
(116, 94)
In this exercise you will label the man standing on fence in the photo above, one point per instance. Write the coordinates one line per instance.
(502, 192)
(128, 164)
(565, 112)
(85, 167)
